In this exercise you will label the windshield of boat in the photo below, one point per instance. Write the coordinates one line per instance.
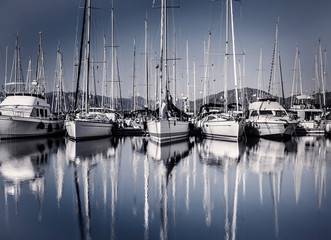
(266, 112)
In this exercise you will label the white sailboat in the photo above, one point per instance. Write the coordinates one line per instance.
(86, 124)
(226, 126)
(25, 112)
(169, 126)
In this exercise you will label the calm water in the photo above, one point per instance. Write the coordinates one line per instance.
(131, 188)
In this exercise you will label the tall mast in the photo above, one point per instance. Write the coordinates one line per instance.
(88, 54)
(112, 57)
(134, 75)
(146, 61)
(226, 57)
(281, 78)
(161, 59)
(294, 81)
(104, 75)
(194, 91)
(174, 71)
(165, 49)
(273, 56)
(234, 57)
(260, 76)
(29, 76)
(80, 56)
(317, 82)
(6, 66)
(321, 69)
(208, 67)
(187, 79)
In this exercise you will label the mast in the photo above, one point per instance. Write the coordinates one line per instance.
(273, 55)
(194, 91)
(112, 58)
(226, 57)
(88, 55)
(174, 70)
(321, 69)
(281, 78)
(161, 58)
(294, 81)
(134, 75)
(187, 79)
(146, 61)
(28, 76)
(119, 79)
(6, 66)
(317, 83)
(104, 75)
(208, 67)
(80, 56)
(165, 47)
(234, 57)
(260, 76)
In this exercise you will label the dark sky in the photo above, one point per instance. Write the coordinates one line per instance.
(302, 23)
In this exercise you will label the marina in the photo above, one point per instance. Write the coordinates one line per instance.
(165, 119)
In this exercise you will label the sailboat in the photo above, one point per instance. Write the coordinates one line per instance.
(226, 126)
(170, 125)
(25, 112)
(86, 124)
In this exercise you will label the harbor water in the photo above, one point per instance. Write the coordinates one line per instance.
(133, 188)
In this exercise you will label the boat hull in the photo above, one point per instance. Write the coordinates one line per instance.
(79, 129)
(165, 130)
(22, 127)
(311, 128)
(270, 129)
(228, 130)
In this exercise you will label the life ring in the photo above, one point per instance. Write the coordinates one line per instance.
(41, 125)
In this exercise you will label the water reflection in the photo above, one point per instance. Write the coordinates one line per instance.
(26, 162)
(135, 188)
(165, 158)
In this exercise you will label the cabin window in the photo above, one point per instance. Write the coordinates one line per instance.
(265, 112)
(33, 113)
(41, 112)
(45, 112)
(254, 113)
(37, 111)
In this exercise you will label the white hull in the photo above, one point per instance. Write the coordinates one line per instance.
(20, 127)
(230, 130)
(165, 130)
(87, 129)
(312, 128)
(270, 128)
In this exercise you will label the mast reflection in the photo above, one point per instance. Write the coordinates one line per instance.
(86, 155)
(164, 158)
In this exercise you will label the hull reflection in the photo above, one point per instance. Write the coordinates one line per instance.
(216, 151)
(26, 165)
